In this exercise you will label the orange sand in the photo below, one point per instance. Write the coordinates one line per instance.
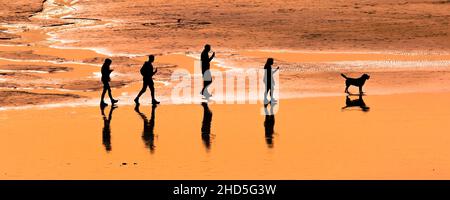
(404, 136)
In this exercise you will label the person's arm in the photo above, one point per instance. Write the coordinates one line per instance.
(275, 70)
(212, 56)
(156, 70)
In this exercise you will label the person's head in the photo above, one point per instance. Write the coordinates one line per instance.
(269, 62)
(207, 47)
(107, 63)
(151, 58)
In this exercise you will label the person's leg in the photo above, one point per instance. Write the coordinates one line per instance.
(207, 80)
(103, 95)
(272, 98)
(107, 87)
(203, 89)
(151, 86)
(110, 94)
(266, 92)
(113, 101)
(152, 92)
(144, 87)
(208, 83)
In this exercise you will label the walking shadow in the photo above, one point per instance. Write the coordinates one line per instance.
(106, 131)
(206, 125)
(356, 103)
(148, 135)
(269, 124)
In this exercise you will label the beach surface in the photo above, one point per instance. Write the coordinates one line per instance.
(52, 128)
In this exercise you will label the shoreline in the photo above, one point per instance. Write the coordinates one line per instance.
(93, 103)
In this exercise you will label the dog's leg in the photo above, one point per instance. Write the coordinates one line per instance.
(346, 89)
(360, 90)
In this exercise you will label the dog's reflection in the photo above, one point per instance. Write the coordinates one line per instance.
(356, 103)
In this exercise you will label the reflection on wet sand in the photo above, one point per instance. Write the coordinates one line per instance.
(318, 141)
(359, 102)
(106, 131)
(206, 126)
(148, 135)
(269, 124)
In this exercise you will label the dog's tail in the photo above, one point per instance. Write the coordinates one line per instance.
(344, 76)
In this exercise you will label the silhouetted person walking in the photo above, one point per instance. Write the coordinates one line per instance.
(206, 125)
(106, 72)
(268, 80)
(269, 124)
(106, 131)
(206, 72)
(148, 135)
(147, 74)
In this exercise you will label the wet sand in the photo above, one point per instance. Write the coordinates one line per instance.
(50, 57)
(401, 137)
(384, 25)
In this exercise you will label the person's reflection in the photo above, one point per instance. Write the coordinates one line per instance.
(106, 132)
(206, 126)
(148, 135)
(356, 103)
(269, 124)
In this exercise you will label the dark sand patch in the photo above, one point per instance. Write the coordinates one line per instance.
(41, 68)
(117, 60)
(7, 36)
(27, 55)
(18, 76)
(19, 11)
(21, 98)
(90, 85)
(59, 24)
(8, 85)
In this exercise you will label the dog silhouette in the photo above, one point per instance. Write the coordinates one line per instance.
(358, 82)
